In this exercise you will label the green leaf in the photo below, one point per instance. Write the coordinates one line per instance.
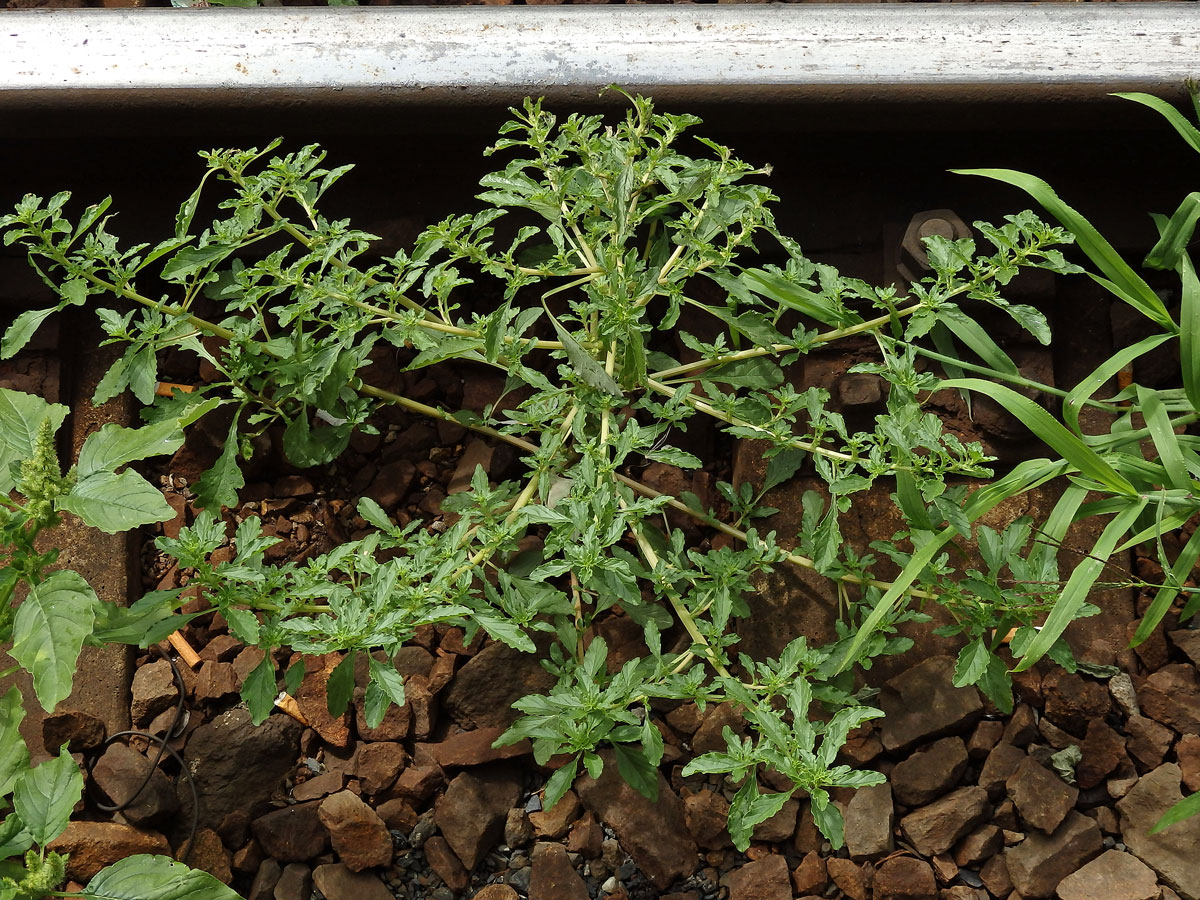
(1119, 278)
(14, 839)
(218, 488)
(1189, 330)
(1075, 591)
(1184, 809)
(339, 688)
(48, 632)
(672, 456)
(749, 808)
(306, 447)
(146, 877)
(23, 328)
(1166, 442)
(637, 770)
(997, 685)
(14, 755)
(21, 417)
(191, 260)
(559, 782)
(972, 663)
(828, 818)
(1178, 121)
(1049, 431)
(1176, 233)
(44, 796)
(756, 373)
(114, 445)
(584, 364)
(116, 502)
(386, 687)
(258, 690)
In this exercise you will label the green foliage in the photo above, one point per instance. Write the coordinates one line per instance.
(599, 240)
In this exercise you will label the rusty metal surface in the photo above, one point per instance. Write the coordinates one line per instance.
(470, 56)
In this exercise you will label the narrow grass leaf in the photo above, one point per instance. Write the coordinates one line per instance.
(1129, 286)
(1178, 121)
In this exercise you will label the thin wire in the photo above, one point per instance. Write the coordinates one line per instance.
(162, 748)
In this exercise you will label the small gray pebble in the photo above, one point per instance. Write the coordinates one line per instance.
(442, 893)
(533, 804)
(625, 871)
(519, 879)
(1109, 842)
(518, 861)
(969, 878)
(1119, 846)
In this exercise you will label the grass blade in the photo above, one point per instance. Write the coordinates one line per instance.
(1049, 431)
(1189, 330)
(1119, 277)
(1178, 121)
(1078, 585)
(1105, 371)
(1166, 594)
(1165, 440)
(1176, 232)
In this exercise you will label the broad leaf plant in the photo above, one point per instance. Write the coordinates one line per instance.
(596, 242)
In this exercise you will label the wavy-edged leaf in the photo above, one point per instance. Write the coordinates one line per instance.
(21, 417)
(48, 632)
(1119, 277)
(258, 690)
(115, 502)
(218, 487)
(44, 796)
(115, 445)
(386, 687)
(146, 877)
(14, 755)
(1050, 431)
(23, 328)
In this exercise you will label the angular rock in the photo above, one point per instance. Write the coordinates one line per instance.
(995, 877)
(153, 690)
(484, 690)
(929, 773)
(779, 827)
(1040, 862)
(236, 765)
(314, 704)
(208, 854)
(763, 879)
(471, 748)
(709, 736)
(265, 879)
(552, 824)
(853, 879)
(419, 783)
(94, 845)
(215, 681)
(448, 867)
(295, 883)
(811, 876)
(979, 846)
(359, 837)
(922, 703)
(1171, 696)
(987, 734)
(1022, 726)
(419, 698)
(586, 837)
(935, 828)
(1114, 876)
(652, 832)
(553, 877)
(1172, 852)
(80, 731)
(868, 822)
(336, 882)
(904, 878)
(378, 764)
(706, 814)
(319, 786)
(1103, 751)
(1041, 797)
(293, 833)
(1188, 753)
(398, 815)
(1000, 765)
(472, 812)
(121, 775)
(1187, 640)
(397, 720)
(1072, 701)
(1120, 688)
(1148, 741)
(517, 829)
(496, 892)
